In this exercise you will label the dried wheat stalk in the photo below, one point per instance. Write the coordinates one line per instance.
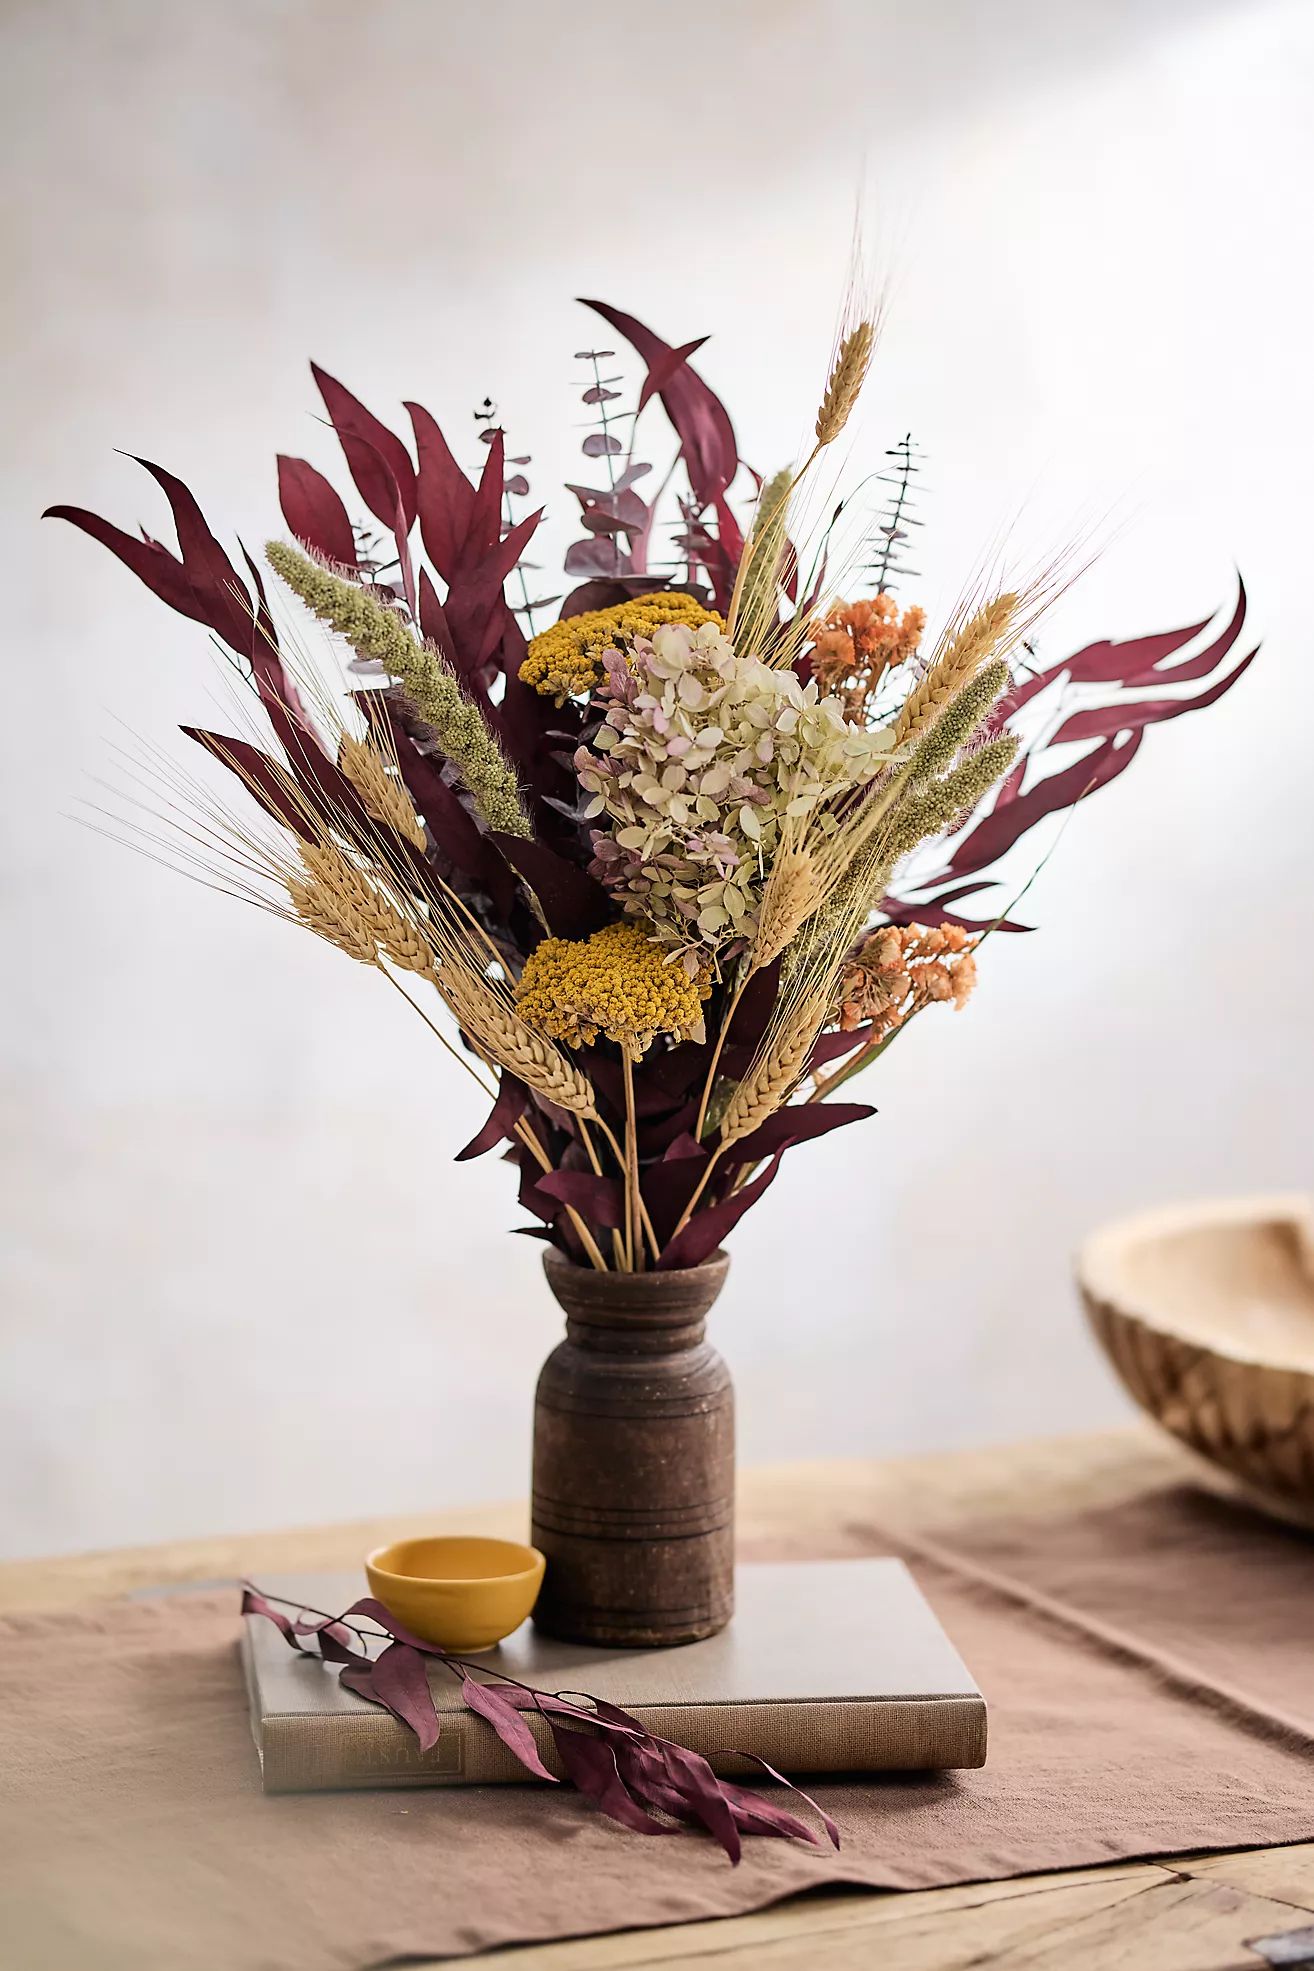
(505, 1038)
(793, 891)
(959, 663)
(778, 1068)
(342, 891)
(847, 376)
(382, 795)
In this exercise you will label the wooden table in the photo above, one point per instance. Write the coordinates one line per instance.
(1186, 1913)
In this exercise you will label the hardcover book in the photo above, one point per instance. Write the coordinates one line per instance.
(828, 1666)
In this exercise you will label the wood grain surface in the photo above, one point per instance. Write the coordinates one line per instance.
(1184, 1913)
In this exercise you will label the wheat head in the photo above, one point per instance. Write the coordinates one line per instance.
(506, 1039)
(382, 796)
(346, 892)
(847, 376)
(775, 1074)
(963, 657)
(793, 891)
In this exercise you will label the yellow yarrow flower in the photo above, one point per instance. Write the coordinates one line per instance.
(617, 983)
(566, 660)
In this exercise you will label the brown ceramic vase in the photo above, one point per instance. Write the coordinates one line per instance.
(634, 1460)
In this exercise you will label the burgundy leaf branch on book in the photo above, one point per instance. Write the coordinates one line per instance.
(645, 1783)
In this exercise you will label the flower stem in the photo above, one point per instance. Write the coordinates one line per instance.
(633, 1227)
(699, 1188)
(731, 1010)
(527, 1136)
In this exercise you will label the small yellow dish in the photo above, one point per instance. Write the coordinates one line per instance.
(458, 1591)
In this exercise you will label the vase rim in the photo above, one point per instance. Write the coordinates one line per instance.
(560, 1262)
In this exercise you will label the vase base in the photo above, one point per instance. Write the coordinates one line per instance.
(603, 1634)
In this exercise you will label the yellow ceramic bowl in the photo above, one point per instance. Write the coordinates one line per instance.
(457, 1591)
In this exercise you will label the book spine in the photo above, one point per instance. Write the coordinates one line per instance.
(302, 1754)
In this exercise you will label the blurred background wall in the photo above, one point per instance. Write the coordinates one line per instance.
(245, 1285)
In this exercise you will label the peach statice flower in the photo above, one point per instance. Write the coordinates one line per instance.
(900, 968)
(858, 643)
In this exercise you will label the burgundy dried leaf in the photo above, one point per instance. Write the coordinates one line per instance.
(666, 367)
(591, 1766)
(607, 1754)
(433, 618)
(254, 1603)
(754, 1009)
(374, 1611)
(512, 1101)
(398, 1680)
(657, 1136)
(219, 590)
(831, 1830)
(331, 1638)
(151, 563)
(668, 1185)
(574, 903)
(273, 682)
(831, 1046)
(643, 1770)
(692, 1777)
(1119, 728)
(503, 1716)
(707, 438)
(756, 1815)
(788, 1126)
(706, 1229)
(483, 534)
(444, 496)
(1008, 820)
(938, 911)
(266, 782)
(1102, 721)
(595, 556)
(337, 1645)
(600, 442)
(368, 446)
(729, 534)
(517, 485)
(315, 515)
(600, 1200)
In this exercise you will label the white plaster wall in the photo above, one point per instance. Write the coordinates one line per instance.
(245, 1285)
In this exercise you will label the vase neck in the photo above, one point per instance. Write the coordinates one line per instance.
(635, 1313)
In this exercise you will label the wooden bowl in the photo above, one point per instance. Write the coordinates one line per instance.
(1207, 1313)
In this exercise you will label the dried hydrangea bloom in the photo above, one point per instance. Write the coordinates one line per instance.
(699, 760)
(899, 968)
(566, 661)
(858, 643)
(617, 983)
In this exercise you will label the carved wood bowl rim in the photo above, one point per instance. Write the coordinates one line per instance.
(1243, 1405)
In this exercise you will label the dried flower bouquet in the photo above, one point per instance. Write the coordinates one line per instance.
(648, 869)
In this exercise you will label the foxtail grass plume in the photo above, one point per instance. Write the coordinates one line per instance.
(756, 609)
(959, 723)
(376, 632)
(958, 662)
(938, 806)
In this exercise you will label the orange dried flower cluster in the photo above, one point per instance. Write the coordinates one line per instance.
(857, 643)
(900, 968)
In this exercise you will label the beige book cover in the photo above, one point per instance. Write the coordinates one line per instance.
(828, 1666)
